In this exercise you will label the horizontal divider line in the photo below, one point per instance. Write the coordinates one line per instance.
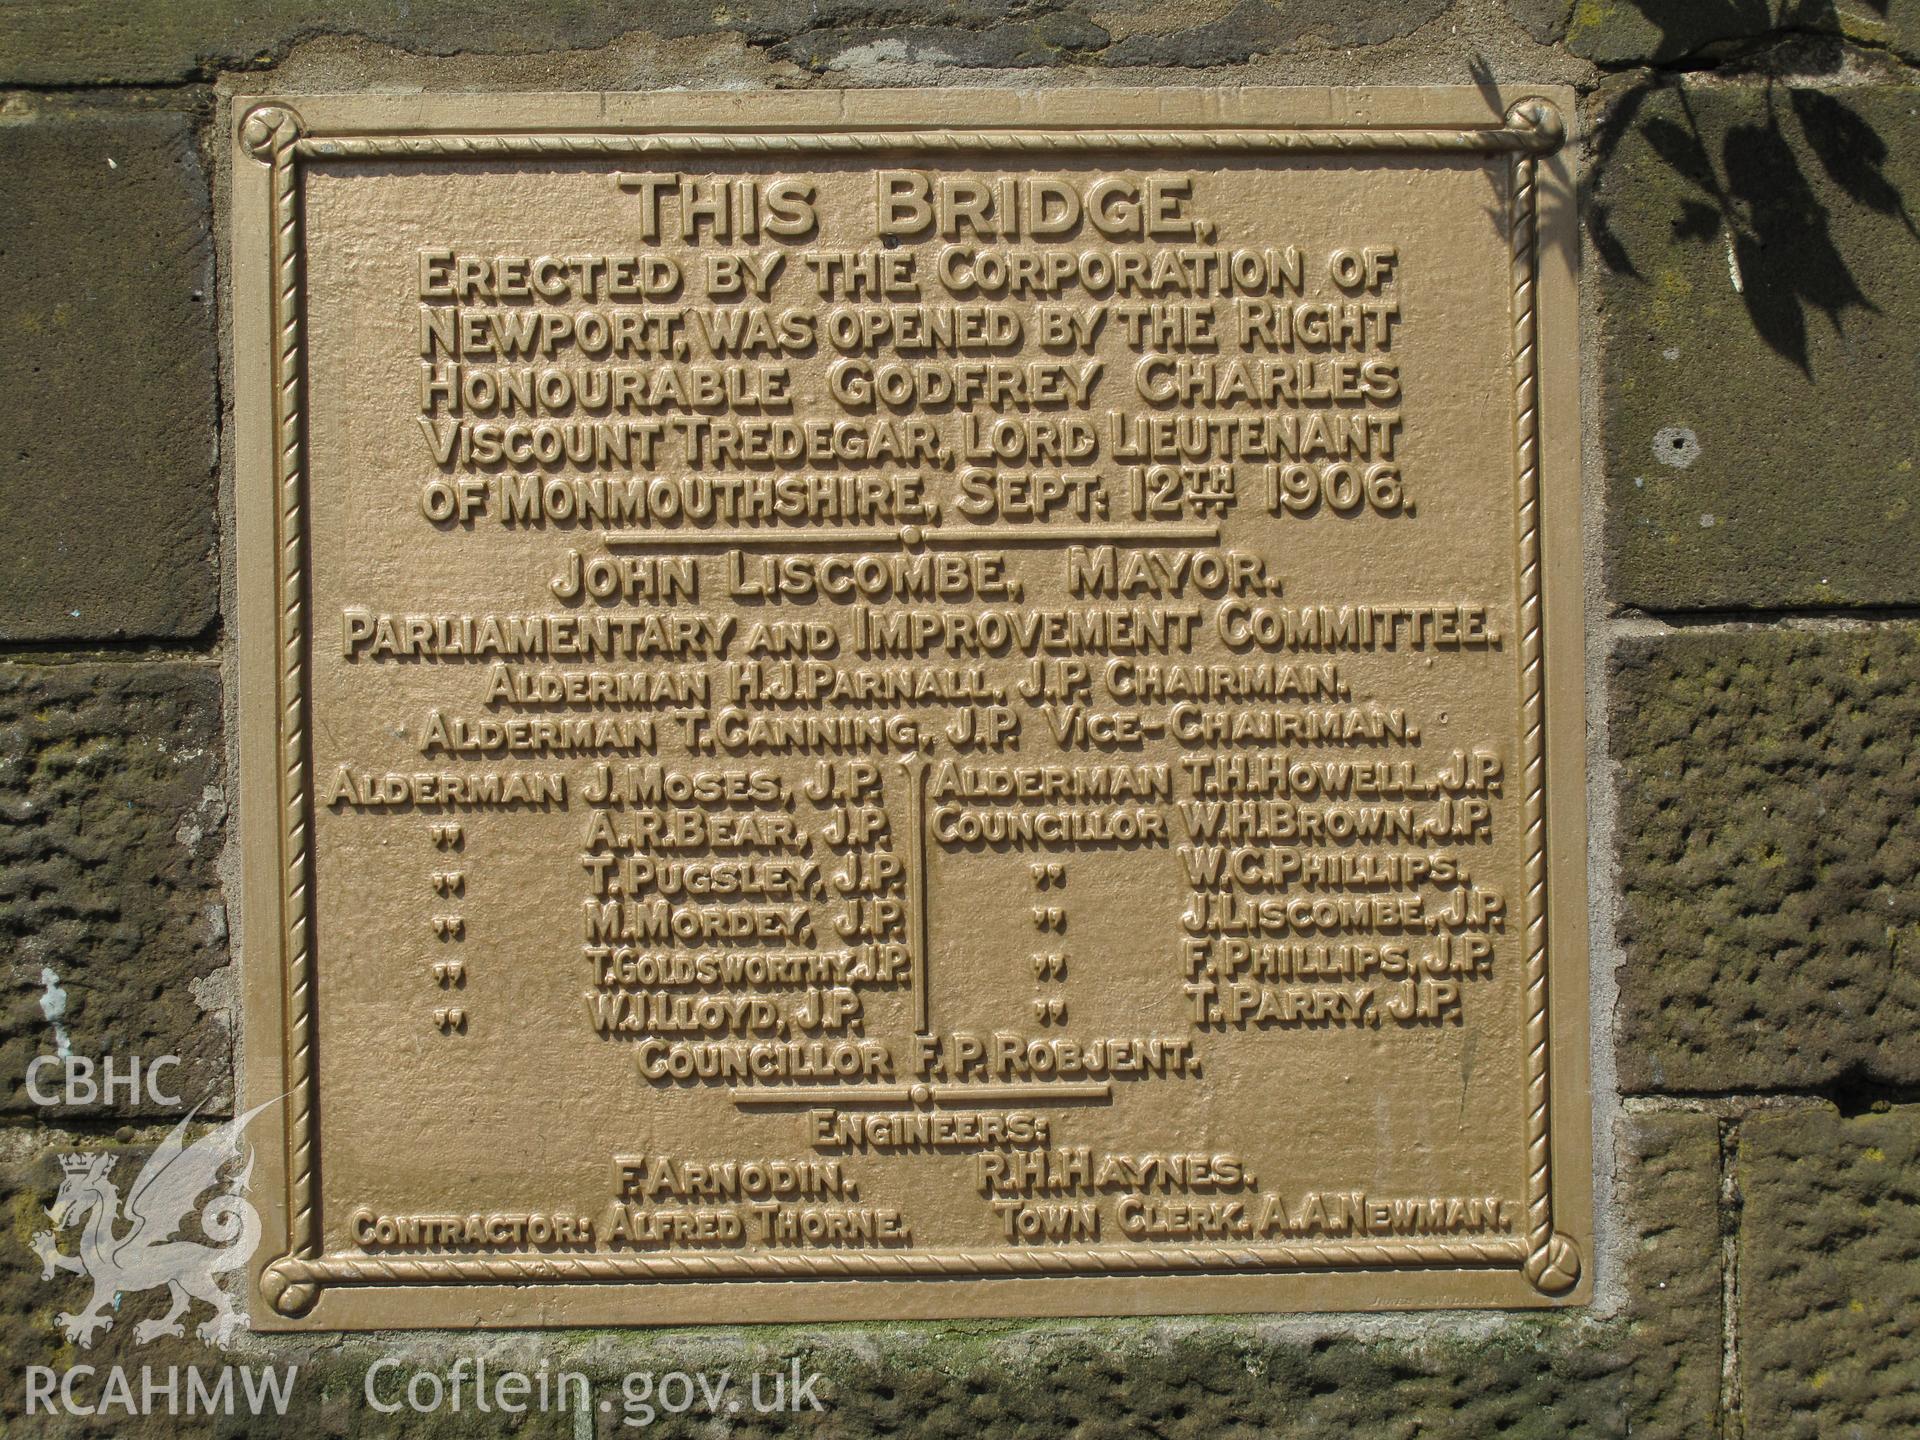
(905, 1094)
(912, 535)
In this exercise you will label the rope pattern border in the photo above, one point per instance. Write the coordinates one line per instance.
(1553, 1260)
(1527, 131)
(271, 134)
(276, 136)
(288, 1275)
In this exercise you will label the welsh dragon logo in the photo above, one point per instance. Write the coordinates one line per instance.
(129, 1246)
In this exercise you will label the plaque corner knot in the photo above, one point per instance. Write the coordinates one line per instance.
(284, 1289)
(267, 129)
(1541, 119)
(1554, 1268)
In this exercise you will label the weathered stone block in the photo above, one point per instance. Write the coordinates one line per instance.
(1769, 830)
(136, 1380)
(107, 379)
(1546, 20)
(1652, 32)
(1669, 1185)
(1018, 43)
(1186, 1379)
(1225, 33)
(163, 41)
(167, 41)
(1830, 1273)
(111, 817)
(1760, 287)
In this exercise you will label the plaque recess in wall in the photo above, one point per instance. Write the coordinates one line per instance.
(910, 704)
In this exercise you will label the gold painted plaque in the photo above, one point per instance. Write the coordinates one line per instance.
(911, 704)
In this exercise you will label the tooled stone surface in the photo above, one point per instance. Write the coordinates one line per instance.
(1759, 278)
(1769, 834)
(1830, 1272)
(1669, 1181)
(107, 378)
(111, 819)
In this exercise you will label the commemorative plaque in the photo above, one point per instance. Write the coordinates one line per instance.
(910, 704)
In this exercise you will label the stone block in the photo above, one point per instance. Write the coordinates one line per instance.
(108, 405)
(1654, 32)
(134, 1373)
(168, 41)
(162, 42)
(112, 815)
(1830, 1273)
(1759, 270)
(1669, 1188)
(1018, 43)
(1253, 28)
(1769, 849)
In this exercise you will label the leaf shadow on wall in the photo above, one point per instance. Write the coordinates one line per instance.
(1754, 196)
(1551, 201)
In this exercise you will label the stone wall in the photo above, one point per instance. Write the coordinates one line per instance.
(1751, 286)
